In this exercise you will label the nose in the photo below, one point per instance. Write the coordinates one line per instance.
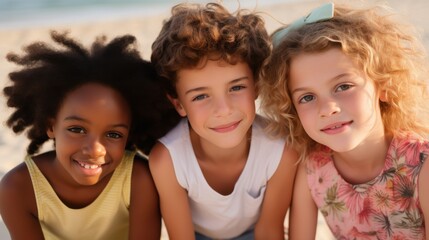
(328, 108)
(223, 106)
(93, 148)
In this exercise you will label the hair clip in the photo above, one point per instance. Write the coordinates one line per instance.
(321, 13)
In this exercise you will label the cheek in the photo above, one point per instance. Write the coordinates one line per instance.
(306, 117)
(64, 149)
(118, 152)
(303, 110)
(362, 102)
(115, 150)
(196, 109)
(247, 102)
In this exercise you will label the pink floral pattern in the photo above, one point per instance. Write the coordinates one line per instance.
(386, 207)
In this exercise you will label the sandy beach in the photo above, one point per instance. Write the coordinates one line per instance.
(145, 28)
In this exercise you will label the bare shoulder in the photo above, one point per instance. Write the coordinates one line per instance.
(285, 173)
(173, 197)
(288, 163)
(18, 206)
(141, 175)
(16, 181)
(159, 157)
(16, 192)
(142, 185)
(290, 154)
(140, 165)
(277, 197)
(161, 165)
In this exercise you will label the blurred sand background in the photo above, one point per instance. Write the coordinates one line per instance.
(145, 24)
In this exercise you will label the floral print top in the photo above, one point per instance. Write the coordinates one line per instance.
(386, 207)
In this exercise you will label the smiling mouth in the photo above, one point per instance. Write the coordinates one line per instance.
(227, 127)
(89, 166)
(336, 126)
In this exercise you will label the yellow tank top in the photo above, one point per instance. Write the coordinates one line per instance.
(105, 218)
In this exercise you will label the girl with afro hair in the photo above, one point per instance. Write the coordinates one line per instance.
(98, 106)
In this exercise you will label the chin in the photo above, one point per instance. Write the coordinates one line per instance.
(88, 182)
(342, 148)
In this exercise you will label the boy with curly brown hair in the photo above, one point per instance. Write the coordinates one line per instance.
(218, 174)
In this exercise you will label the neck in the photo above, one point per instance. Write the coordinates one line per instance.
(206, 151)
(365, 162)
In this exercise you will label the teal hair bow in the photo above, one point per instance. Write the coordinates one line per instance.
(321, 13)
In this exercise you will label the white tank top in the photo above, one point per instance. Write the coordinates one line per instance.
(215, 215)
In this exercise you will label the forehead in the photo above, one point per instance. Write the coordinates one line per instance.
(214, 71)
(95, 97)
(307, 67)
(93, 92)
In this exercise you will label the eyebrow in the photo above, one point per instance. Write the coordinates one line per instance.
(333, 79)
(202, 88)
(76, 118)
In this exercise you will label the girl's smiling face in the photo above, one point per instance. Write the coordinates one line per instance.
(90, 131)
(337, 105)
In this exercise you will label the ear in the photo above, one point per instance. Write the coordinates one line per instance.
(177, 105)
(50, 130)
(383, 96)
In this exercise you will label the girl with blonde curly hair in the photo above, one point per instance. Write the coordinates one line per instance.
(348, 87)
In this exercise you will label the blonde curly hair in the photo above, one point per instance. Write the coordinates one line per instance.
(386, 50)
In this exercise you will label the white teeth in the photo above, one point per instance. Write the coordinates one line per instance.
(88, 166)
(335, 127)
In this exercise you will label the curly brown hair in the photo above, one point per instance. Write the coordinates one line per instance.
(48, 74)
(385, 49)
(196, 33)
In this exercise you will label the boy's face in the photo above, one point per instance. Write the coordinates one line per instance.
(218, 100)
(337, 104)
(90, 131)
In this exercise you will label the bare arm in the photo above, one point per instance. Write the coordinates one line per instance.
(173, 198)
(303, 215)
(277, 198)
(145, 215)
(18, 205)
(424, 194)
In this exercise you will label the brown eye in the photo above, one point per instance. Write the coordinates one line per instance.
(114, 135)
(76, 130)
